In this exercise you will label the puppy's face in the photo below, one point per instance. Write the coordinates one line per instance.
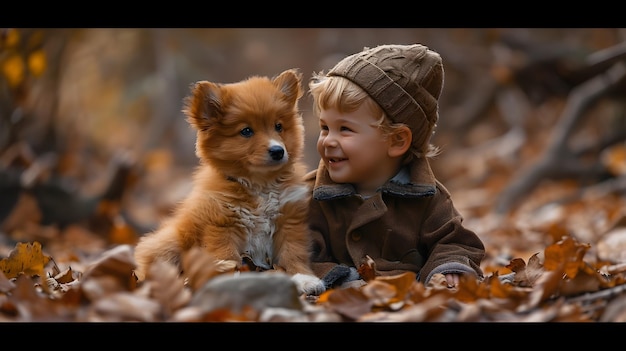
(248, 128)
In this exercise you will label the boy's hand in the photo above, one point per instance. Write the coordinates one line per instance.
(452, 279)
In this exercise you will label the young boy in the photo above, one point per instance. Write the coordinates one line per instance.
(374, 193)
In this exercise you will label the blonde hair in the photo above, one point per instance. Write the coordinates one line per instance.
(346, 96)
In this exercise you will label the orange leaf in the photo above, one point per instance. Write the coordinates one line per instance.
(349, 302)
(26, 258)
(37, 63)
(567, 253)
(13, 69)
(402, 283)
(367, 269)
(516, 265)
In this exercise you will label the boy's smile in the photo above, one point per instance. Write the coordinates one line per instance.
(334, 161)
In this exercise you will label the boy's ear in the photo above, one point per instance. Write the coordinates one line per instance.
(400, 141)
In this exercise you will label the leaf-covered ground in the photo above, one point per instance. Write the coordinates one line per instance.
(552, 261)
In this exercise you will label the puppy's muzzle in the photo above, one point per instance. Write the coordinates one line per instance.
(276, 152)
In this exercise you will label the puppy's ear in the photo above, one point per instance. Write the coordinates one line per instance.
(289, 83)
(203, 105)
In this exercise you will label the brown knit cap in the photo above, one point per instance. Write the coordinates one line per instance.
(405, 80)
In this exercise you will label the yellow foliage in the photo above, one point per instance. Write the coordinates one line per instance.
(37, 62)
(13, 70)
(26, 258)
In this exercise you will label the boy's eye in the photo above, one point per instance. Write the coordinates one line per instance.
(322, 127)
(278, 127)
(247, 132)
(345, 129)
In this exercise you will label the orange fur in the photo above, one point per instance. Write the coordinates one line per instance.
(249, 197)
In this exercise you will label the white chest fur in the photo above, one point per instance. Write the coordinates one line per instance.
(260, 222)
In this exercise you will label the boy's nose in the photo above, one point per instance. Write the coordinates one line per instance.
(330, 141)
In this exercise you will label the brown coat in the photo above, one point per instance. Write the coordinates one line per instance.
(411, 224)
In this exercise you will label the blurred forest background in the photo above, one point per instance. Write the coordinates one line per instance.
(95, 151)
(79, 106)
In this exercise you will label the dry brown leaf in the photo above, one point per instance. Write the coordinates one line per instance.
(67, 276)
(401, 283)
(61, 282)
(168, 287)
(350, 302)
(428, 310)
(546, 287)
(470, 289)
(556, 231)
(379, 292)
(124, 307)
(534, 269)
(32, 306)
(117, 264)
(26, 258)
(367, 269)
(5, 284)
(199, 267)
(567, 253)
(518, 266)
(584, 282)
(612, 246)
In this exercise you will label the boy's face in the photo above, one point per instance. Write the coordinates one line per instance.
(354, 149)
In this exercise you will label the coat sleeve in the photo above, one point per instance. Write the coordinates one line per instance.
(452, 248)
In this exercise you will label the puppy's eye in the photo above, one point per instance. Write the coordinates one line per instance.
(278, 127)
(246, 132)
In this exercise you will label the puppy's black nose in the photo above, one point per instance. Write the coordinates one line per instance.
(276, 153)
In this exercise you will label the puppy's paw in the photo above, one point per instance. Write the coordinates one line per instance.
(308, 284)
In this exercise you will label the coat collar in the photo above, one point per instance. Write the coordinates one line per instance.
(413, 180)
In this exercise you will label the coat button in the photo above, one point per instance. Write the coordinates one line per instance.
(356, 236)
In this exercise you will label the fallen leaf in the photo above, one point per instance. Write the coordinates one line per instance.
(26, 258)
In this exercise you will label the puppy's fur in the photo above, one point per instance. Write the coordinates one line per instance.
(249, 199)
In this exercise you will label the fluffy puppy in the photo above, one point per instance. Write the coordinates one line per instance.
(248, 200)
